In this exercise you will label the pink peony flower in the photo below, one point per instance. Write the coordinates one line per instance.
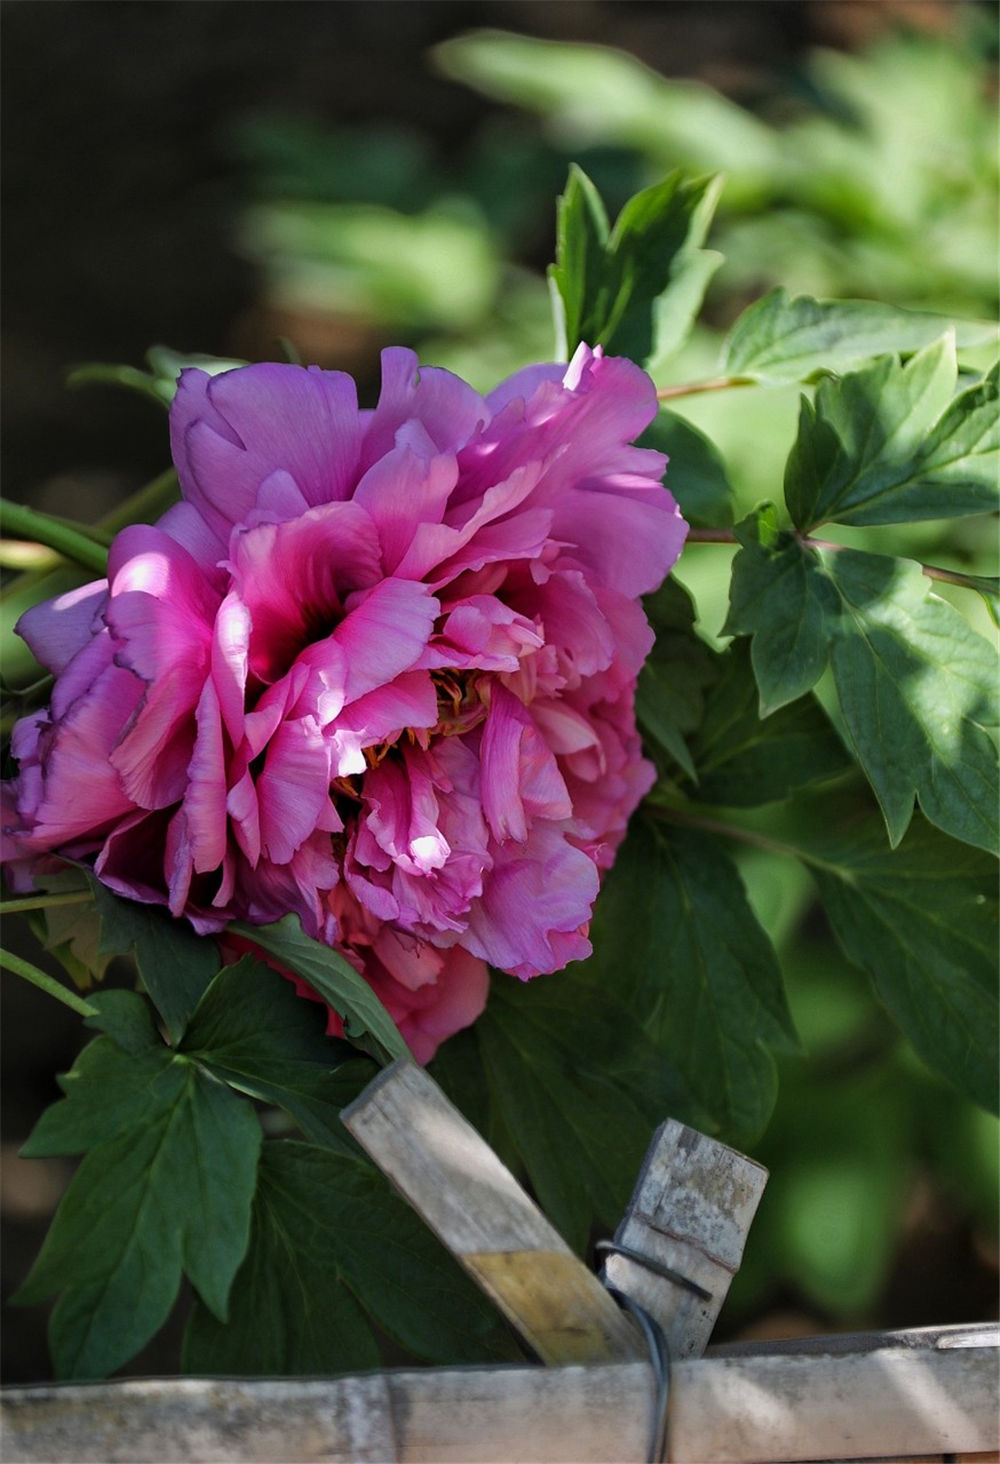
(377, 668)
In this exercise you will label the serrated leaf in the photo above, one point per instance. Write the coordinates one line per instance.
(892, 444)
(254, 1032)
(677, 941)
(775, 597)
(916, 684)
(330, 1241)
(581, 1088)
(70, 933)
(922, 922)
(743, 760)
(779, 340)
(696, 474)
(169, 1192)
(635, 292)
(175, 964)
(366, 1021)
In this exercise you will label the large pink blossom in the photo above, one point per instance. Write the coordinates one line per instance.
(376, 668)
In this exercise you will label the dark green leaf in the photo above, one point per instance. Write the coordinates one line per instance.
(109, 1088)
(892, 444)
(252, 1030)
(916, 686)
(170, 1191)
(775, 597)
(915, 683)
(922, 922)
(636, 291)
(671, 692)
(581, 1088)
(781, 340)
(676, 939)
(696, 474)
(328, 1233)
(366, 1021)
(175, 964)
(744, 761)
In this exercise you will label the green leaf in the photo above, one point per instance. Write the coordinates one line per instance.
(581, 1088)
(743, 760)
(109, 1084)
(169, 1191)
(676, 939)
(366, 1021)
(696, 474)
(780, 340)
(922, 922)
(577, 275)
(636, 291)
(775, 597)
(175, 964)
(70, 933)
(670, 695)
(892, 444)
(916, 684)
(253, 1031)
(330, 1241)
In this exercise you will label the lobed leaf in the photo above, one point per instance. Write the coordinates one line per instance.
(744, 760)
(168, 1191)
(916, 684)
(922, 922)
(700, 973)
(253, 1031)
(366, 1021)
(175, 964)
(636, 290)
(670, 693)
(893, 444)
(779, 340)
(331, 1241)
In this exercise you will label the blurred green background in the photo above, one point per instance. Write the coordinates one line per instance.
(222, 177)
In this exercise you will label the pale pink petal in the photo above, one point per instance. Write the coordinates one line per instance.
(446, 407)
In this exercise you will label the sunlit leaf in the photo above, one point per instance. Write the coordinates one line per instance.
(780, 340)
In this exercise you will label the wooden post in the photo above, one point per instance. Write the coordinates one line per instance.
(473, 1203)
(693, 1205)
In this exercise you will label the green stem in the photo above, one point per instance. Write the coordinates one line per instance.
(20, 522)
(47, 983)
(980, 583)
(147, 503)
(43, 902)
(712, 383)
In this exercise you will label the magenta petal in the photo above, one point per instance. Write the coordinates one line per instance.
(384, 632)
(292, 790)
(446, 407)
(230, 432)
(534, 906)
(205, 798)
(401, 491)
(56, 629)
(520, 778)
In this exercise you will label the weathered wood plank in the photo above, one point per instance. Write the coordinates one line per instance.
(473, 1203)
(888, 1403)
(693, 1204)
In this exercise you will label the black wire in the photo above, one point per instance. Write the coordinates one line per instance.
(657, 1267)
(659, 1357)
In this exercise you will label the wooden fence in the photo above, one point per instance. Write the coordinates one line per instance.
(624, 1378)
